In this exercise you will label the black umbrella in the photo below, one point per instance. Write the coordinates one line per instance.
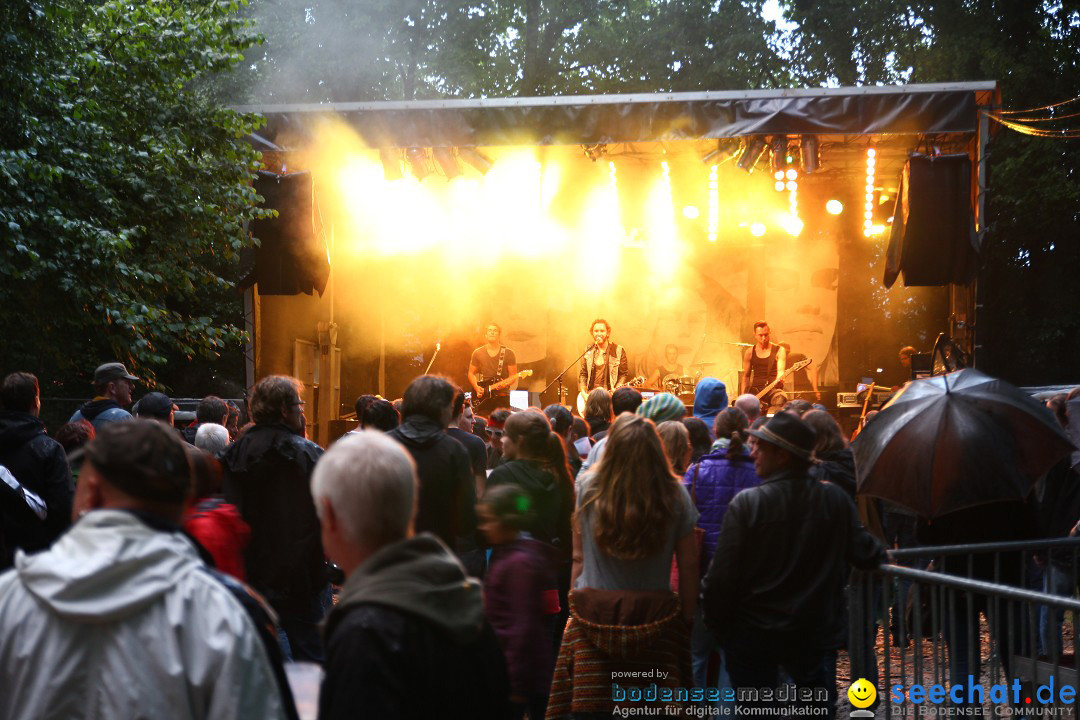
(957, 440)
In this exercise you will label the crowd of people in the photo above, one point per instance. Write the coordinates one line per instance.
(434, 562)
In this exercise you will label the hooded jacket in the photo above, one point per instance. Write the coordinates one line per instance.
(408, 639)
(118, 620)
(553, 504)
(100, 411)
(39, 464)
(446, 500)
(268, 479)
(710, 399)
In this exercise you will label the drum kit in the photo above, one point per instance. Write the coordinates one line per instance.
(682, 385)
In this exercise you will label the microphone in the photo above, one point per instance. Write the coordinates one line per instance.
(438, 345)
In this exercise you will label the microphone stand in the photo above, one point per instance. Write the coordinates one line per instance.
(559, 378)
(438, 347)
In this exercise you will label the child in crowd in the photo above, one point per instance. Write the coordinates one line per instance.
(519, 597)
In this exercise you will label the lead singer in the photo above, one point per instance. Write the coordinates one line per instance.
(605, 364)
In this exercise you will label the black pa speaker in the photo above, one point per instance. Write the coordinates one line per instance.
(933, 232)
(291, 257)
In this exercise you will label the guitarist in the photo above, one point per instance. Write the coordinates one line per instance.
(763, 363)
(491, 363)
(604, 363)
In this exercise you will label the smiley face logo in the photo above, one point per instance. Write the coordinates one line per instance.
(862, 693)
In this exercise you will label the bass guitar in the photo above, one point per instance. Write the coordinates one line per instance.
(794, 368)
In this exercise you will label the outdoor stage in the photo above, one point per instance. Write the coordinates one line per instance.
(419, 223)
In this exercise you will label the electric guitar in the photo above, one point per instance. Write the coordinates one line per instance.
(797, 366)
(490, 387)
(583, 396)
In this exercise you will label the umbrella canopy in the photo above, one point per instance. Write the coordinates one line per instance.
(957, 440)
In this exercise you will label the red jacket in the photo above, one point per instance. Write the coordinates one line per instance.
(218, 527)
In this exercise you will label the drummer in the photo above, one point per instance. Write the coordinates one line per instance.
(670, 370)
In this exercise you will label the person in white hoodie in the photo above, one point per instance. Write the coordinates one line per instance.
(120, 618)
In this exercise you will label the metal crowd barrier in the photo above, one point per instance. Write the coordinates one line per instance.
(969, 613)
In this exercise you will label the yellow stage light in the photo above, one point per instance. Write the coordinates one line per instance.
(792, 225)
(834, 207)
(792, 185)
(690, 212)
(792, 174)
(757, 229)
(779, 186)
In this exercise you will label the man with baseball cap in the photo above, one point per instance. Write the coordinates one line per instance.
(774, 593)
(113, 386)
(156, 406)
(120, 617)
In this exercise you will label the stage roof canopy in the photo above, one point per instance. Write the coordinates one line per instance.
(943, 108)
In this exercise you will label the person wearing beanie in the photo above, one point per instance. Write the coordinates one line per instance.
(662, 407)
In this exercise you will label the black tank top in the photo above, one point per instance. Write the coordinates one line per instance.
(763, 369)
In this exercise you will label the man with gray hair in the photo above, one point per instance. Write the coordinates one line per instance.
(750, 405)
(407, 638)
(212, 438)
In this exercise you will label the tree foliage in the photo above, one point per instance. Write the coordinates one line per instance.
(124, 185)
(328, 50)
(1028, 328)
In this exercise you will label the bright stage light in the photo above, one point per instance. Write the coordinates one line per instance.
(792, 185)
(779, 158)
(791, 174)
(447, 161)
(714, 203)
(810, 154)
(757, 229)
(690, 212)
(779, 174)
(871, 171)
(391, 162)
(475, 158)
(419, 161)
(662, 249)
(792, 225)
(834, 207)
(779, 186)
(755, 148)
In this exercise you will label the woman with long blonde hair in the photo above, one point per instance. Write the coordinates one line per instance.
(633, 515)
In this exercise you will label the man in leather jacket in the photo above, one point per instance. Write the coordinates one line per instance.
(773, 594)
(267, 477)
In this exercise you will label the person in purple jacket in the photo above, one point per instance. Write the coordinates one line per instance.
(712, 482)
(519, 597)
